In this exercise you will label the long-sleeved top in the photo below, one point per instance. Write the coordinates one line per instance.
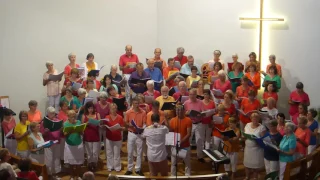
(135, 75)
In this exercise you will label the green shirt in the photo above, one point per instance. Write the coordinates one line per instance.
(287, 143)
(234, 85)
(77, 102)
(276, 78)
(70, 103)
(73, 139)
(102, 88)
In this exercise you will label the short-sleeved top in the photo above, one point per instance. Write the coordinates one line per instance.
(117, 134)
(235, 84)
(303, 135)
(181, 126)
(22, 144)
(102, 111)
(155, 94)
(266, 95)
(161, 100)
(54, 135)
(248, 106)
(295, 96)
(124, 60)
(287, 143)
(96, 84)
(231, 109)
(221, 127)
(278, 69)
(70, 103)
(191, 79)
(8, 167)
(77, 103)
(30, 175)
(222, 87)
(256, 80)
(177, 95)
(62, 116)
(149, 121)
(280, 129)
(36, 142)
(197, 106)
(138, 117)
(68, 68)
(270, 153)
(8, 126)
(276, 78)
(182, 61)
(53, 87)
(36, 117)
(166, 74)
(186, 69)
(314, 125)
(241, 92)
(110, 100)
(91, 133)
(73, 139)
(272, 112)
(88, 68)
(232, 146)
(209, 106)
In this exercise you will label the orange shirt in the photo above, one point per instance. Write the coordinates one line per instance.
(36, 117)
(256, 80)
(221, 127)
(278, 69)
(166, 72)
(303, 135)
(248, 62)
(241, 92)
(164, 64)
(233, 146)
(248, 106)
(149, 121)
(266, 95)
(138, 117)
(181, 126)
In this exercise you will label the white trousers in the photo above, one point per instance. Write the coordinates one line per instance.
(23, 154)
(198, 131)
(112, 150)
(282, 166)
(92, 151)
(186, 160)
(54, 102)
(62, 144)
(144, 148)
(127, 89)
(37, 158)
(233, 162)
(271, 166)
(216, 142)
(52, 159)
(207, 139)
(311, 148)
(134, 139)
(11, 145)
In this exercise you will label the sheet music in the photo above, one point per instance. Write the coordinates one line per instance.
(182, 153)
(93, 94)
(87, 99)
(114, 127)
(217, 92)
(171, 138)
(76, 86)
(57, 77)
(217, 119)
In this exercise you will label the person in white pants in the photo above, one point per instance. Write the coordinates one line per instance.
(138, 116)
(208, 104)
(53, 86)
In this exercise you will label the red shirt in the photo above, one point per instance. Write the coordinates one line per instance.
(91, 133)
(98, 84)
(124, 59)
(30, 175)
(155, 95)
(211, 105)
(294, 96)
(182, 61)
(222, 87)
(178, 94)
(303, 135)
(68, 68)
(7, 126)
(248, 106)
(114, 135)
(266, 95)
(62, 116)
(231, 109)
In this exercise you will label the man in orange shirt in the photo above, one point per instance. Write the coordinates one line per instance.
(168, 71)
(156, 110)
(183, 126)
(134, 135)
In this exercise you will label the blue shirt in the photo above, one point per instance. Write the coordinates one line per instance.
(156, 75)
(135, 75)
(271, 154)
(287, 143)
(186, 69)
(312, 127)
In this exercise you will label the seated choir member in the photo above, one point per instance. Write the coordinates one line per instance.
(272, 77)
(186, 68)
(213, 75)
(287, 148)
(180, 56)
(254, 76)
(281, 123)
(151, 92)
(182, 125)
(235, 60)
(247, 105)
(112, 93)
(232, 147)
(208, 104)
(72, 65)
(193, 77)
(8, 124)
(90, 64)
(183, 90)
(272, 59)
(73, 78)
(271, 155)
(155, 74)
(21, 133)
(90, 86)
(216, 136)
(134, 137)
(167, 71)
(68, 98)
(113, 139)
(54, 153)
(144, 106)
(177, 80)
(216, 58)
(303, 135)
(53, 87)
(4, 163)
(26, 172)
(107, 82)
(236, 73)
(229, 104)
(34, 114)
(222, 84)
(155, 135)
(313, 126)
(102, 108)
(73, 151)
(297, 97)
(253, 153)
(157, 58)
(243, 90)
(252, 59)
(302, 112)
(115, 76)
(91, 137)
(271, 109)
(270, 91)
(200, 88)
(35, 138)
(92, 76)
(197, 127)
(138, 74)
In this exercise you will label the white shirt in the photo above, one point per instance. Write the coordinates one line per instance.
(272, 112)
(156, 139)
(8, 166)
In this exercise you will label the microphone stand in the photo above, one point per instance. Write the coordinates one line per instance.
(177, 146)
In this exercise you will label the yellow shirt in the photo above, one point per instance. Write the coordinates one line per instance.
(161, 100)
(22, 144)
(91, 67)
(191, 79)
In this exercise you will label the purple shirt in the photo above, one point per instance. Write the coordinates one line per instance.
(102, 111)
(197, 106)
(135, 75)
(50, 136)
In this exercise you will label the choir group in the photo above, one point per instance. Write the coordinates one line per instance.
(157, 110)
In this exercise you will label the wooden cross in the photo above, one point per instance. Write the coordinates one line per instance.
(260, 19)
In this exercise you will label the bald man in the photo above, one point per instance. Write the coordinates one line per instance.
(157, 58)
(127, 59)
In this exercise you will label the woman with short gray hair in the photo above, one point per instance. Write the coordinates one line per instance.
(180, 57)
(53, 87)
(216, 58)
(67, 70)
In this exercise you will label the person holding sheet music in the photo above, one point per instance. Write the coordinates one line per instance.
(213, 75)
(236, 73)
(107, 82)
(78, 101)
(21, 133)
(303, 135)
(92, 75)
(168, 73)
(270, 91)
(155, 74)
(8, 124)
(302, 112)
(113, 95)
(193, 77)
(68, 98)
(253, 153)
(252, 59)
(35, 138)
(313, 126)
(228, 103)
(216, 58)
(137, 115)
(151, 93)
(180, 57)
(186, 68)
(243, 90)
(72, 65)
(281, 123)
(115, 77)
(222, 84)
(34, 114)
(220, 121)
(298, 96)
(102, 107)
(53, 87)
(165, 98)
(175, 88)
(53, 154)
(90, 86)
(73, 78)
(271, 110)
(73, 149)
(127, 59)
(144, 106)
(235, 61)
(157, 58)
(139, 74)
(254, 75)
(272, 77)
(183, 90)
(208, 104)
(272, 59)
(247, 105)
(113, 139)
(90, 64)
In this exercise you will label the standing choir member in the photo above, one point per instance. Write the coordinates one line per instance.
(155, 74)
(71, 65)
(252, 59)
(64, 108)
(21, 133)
(303, 135)
(138, 74)
(102, 108)
(193, 77)
(208, 104)
(222, 84)
(183, 90)
(134, 136)
(247, 105)
(114, 94)
(236, 73)
(90, 64)
(53, 87)
(281, 123)
(183, 126)
(35, 138)
(92, 75)
(91, 135)
(313, 126)
(107, 82)
(34, 114)
(68, 98)
(180, 57)
(157, 58)
(216, 135)
(243, 90)
(151, 92)
(113, 139)
(156, 110)
(272, 77)
(73, 78)
(53, 154)
(228, 103)
(302, 112)
(73, 152)
(168, 71)
(254, 75)
(8, 124)
(186, 68)
(216, 58)
(200, 89)
(213, 75)
(90, 86)
(155, 135)
(235, 60)
(197, 127)
(297, 97)
(271, 110)
(272, 59)
(115, 77)
(270, 91)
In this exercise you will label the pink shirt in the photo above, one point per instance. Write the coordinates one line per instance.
(7, 126)
(53, 87)
(303, 135)
(222, 87)
(124, 59)
(178, 94)
(67, 69)
(211, 105)
(55, 135)
(294, 96)
(197, 106)
(155, 94)
(62, 116)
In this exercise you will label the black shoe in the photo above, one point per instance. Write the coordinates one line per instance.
(128, 173)
(139, 173)
(201, 160)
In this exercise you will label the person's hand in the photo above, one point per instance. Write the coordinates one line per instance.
(187, 113)
(27, 133)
